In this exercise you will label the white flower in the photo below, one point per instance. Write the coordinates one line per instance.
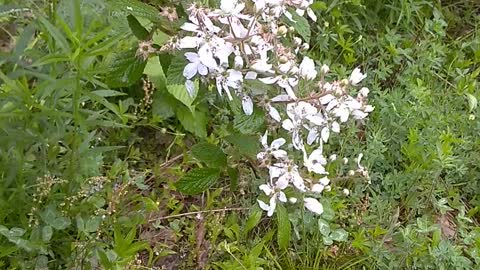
(356, 76)
(231, 7)
(364, 92)
(307, 69)
(273, 149)
(313, 205)
(317, 188)
(247, 105)
(324, 181)
(324, 69)
(194, 67)
(315, 162)
(346, 192)
(233, 79)
(276, 193)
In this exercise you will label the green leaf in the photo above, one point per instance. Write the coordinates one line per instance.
(323, 227)
(327, 241)
(300, 24)
(245, 144)
(179, 91)
(125, 69)
(249, 124)
(164, 104)
(137, 9)
(137, 29)
(60, 223)
(253, 220)
(211, 154)
(319, 5)
(339, 235)
(284, 227)
(47, 233)
(175, 70)
(59, 38)
(154, 71)
(197, 180)
(194, 122)
(472, 102)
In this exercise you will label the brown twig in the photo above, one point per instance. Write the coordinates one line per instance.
(304, 99)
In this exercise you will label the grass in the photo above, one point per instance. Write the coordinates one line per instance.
(92, 145)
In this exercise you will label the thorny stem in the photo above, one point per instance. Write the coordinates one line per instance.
(200, 212)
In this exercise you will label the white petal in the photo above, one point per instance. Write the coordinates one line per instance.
(206, 57)
(189, 27)
(189, 42)
(325, 134)
(282, 197)
(274, 113)
(238, 62)
(326, 99)
(312, 136)
(269, 80)
(288, 124)
(335, 127)
(279, 154)
(277, 143)
(264, 138)
(202, 69)
(364, 92)
(190, 70)
(317, 188)
(192, 57)
(369, 108)
(273, 204)
(190, 88)
(324, 181)
(275, 171)
(247, 105)
(263, 206)
(290, 92)
(266, 189)
(250, 75)
(282, 183)
(311, 14)
(280, 98)
(313, 205)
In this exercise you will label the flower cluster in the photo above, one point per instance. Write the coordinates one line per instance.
(249, 40)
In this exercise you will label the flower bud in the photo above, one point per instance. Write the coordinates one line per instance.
(283, 59)
(305, 46)
(282, 30)
(346, 192)
(471, 117)
(324, 69)
(291, 29)
(351, 173)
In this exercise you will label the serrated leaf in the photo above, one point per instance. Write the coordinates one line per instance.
(175, 70)
(125, 69)
(197, 180)
(472, 102)
(137, 9)
(137, 29)
(211, 154)
(194, 122)
(154, 71)
(59, 223)
(164, 104)
(247, 145)
(283, 227)
(179, 91)
(249, 124)
(339, 235)
(323, 227)
(300, 24)
(253, 220)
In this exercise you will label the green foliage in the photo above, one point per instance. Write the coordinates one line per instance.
(93, 176)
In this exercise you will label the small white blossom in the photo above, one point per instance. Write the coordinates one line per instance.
(247, 105)
(346, 192)
(357, 76)
(307, 69)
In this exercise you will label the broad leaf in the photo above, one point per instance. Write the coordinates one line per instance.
(125, 69)
(300, 24)
(179, 91)
(211, 154)
(253, 220)
(283, 227)
(249, 124)
(339, 235)
(175, 70)
(245, 144)
(137, 9)
(137, 29)
(323, 227)
(195, 122)
(197, 180)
